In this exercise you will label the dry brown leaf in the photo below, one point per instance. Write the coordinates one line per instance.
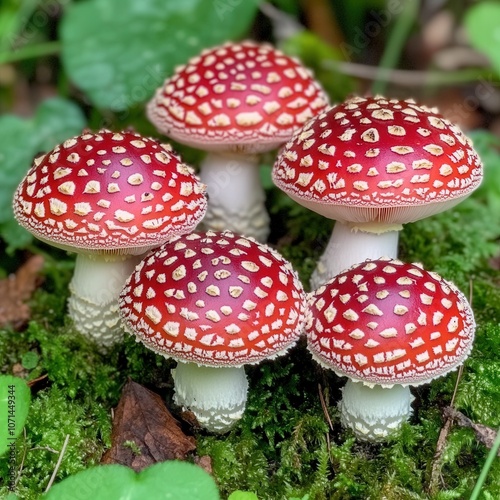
(16, 290)
(144, 432)
(484, 434)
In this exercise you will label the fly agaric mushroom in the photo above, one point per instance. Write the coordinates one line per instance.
(214, 301)
(235, 101)
(387, 325)
(109, 197)
(373, 164)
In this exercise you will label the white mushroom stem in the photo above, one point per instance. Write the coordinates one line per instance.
(236, 198)
(374, 412)
(216, 396)
(95, 287)
(349, 246)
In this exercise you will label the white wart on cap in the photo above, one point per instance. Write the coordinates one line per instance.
(214, 302)
(387, 322)
(109, 192)
(216, 299)
(386, 325)
(235, 101)
(237, 97)
(377, 160)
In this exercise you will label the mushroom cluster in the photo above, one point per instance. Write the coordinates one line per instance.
(235, 101)
(110, 197)
(214, 302)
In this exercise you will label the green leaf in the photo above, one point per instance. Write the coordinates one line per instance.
(482, 22)
(14, 405)
(166, 480)
(30, 360)
(120, 51)
(242, 495)
(55, 120)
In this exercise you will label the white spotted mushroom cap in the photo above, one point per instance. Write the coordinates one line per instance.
(387, 322)
(378, 160)
(109, 192)
(215, 299)
(237, 97)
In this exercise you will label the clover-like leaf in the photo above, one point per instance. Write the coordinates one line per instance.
(55, 120)
(15, 399)
(482, 22)
(170, 480)
(120, 51)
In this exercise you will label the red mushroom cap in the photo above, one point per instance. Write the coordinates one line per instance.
(109, 192)
(214, 299)
(387, 322)
(238, 96)
(378, 160)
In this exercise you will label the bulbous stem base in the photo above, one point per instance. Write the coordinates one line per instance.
(216, 396)
(373, 413)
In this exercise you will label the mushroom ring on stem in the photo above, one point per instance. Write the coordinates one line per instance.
(387, 325)
(110, 197)
(214, 302)
(235, 101)
(374, 164)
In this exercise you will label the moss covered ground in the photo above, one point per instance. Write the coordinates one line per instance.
(283, 448)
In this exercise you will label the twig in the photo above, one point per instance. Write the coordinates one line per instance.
(436, 462)
(31, 383)
(325, 409)
(441, 442)
(410, 78)
(484, 434)
(443, 434)
(58, 464)
(455, 389)
(21, 467)
(321, 20)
